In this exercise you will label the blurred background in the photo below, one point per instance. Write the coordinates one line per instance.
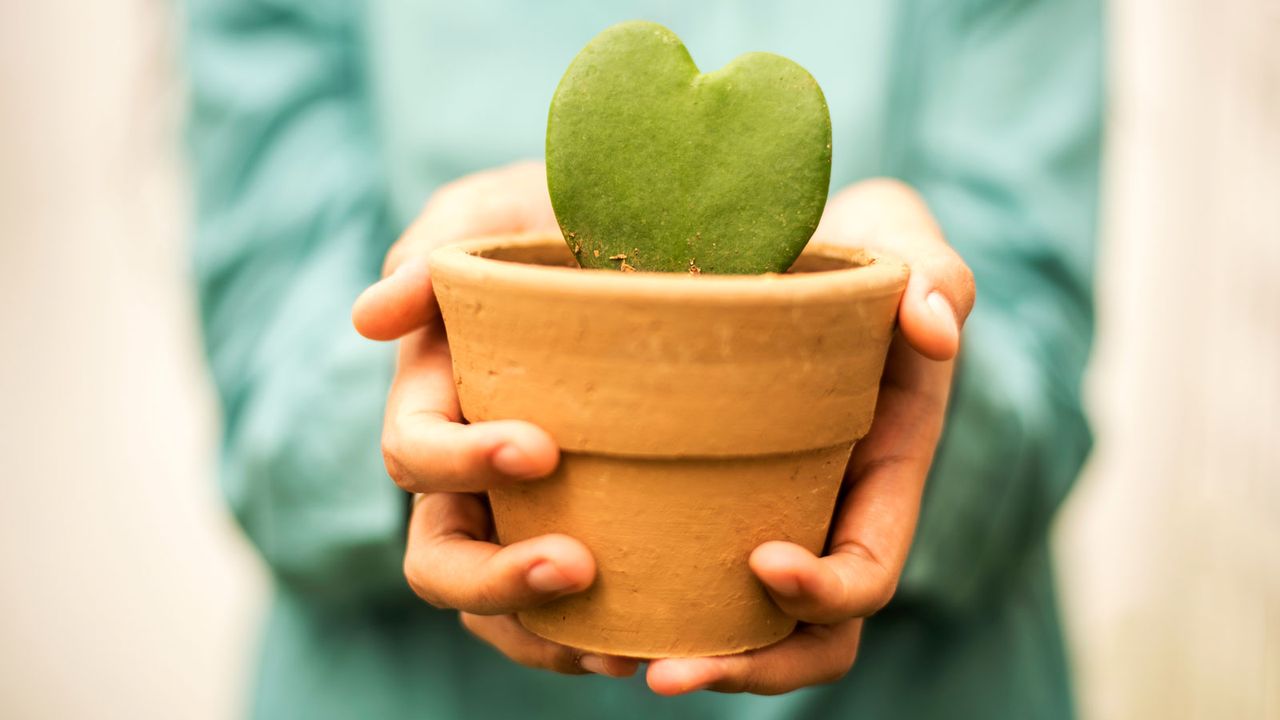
(128, 591)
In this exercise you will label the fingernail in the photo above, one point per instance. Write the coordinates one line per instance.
(593, 664)
(511, 460)
(941, 307)
(547, 578)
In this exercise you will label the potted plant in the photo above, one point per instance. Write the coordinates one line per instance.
(706, 399)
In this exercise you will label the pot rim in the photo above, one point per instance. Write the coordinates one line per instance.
(874, 273)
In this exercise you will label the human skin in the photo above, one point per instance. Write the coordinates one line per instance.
(449, 559)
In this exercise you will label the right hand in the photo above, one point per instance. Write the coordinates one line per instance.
(429, 449)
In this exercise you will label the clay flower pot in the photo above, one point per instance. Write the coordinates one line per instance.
(698, 417)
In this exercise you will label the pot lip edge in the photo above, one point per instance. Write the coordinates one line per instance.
(458, 260)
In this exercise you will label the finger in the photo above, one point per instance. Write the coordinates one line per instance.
(847, 583)
(937, 301)
(427, 449)
(509, 637)
(449, 564)
(889, 215)
(874, 526)
(813, 655)
(940, 291)
(425, 452)
(873, 529)
(398, 304)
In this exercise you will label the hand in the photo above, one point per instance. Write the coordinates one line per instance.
(449, 559)
(874, 523)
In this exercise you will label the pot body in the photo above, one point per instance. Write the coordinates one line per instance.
(698, 418)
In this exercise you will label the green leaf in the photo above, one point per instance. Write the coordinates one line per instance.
(654, 166)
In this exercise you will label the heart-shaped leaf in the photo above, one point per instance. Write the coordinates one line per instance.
(655, 166)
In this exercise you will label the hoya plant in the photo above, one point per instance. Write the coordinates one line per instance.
(655, 166)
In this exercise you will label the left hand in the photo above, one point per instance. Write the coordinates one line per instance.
(449, 561)
(874, 524)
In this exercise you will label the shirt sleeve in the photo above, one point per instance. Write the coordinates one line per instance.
(291, 225)
(998, 106)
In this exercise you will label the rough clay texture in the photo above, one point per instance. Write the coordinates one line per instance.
(654, 166)
(671, 538)
(705, 416)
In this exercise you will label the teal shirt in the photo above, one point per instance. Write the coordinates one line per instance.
(319, 127)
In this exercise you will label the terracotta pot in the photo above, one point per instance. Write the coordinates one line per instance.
(698, 417)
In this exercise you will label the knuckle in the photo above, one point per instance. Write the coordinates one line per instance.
(423, 589)
(834, 672)
(884, 594)
(398, 474)
(967, 280)
(867, 584)
(839, 662)
(965, 285)
(420, 460)
(391, 455)
(439, 208)
(433, 599)
(446, 194)
(968, 284)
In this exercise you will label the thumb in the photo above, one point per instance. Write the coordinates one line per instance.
(887, 214)
(938, 299)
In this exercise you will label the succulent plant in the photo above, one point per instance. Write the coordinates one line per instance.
(655, 166)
